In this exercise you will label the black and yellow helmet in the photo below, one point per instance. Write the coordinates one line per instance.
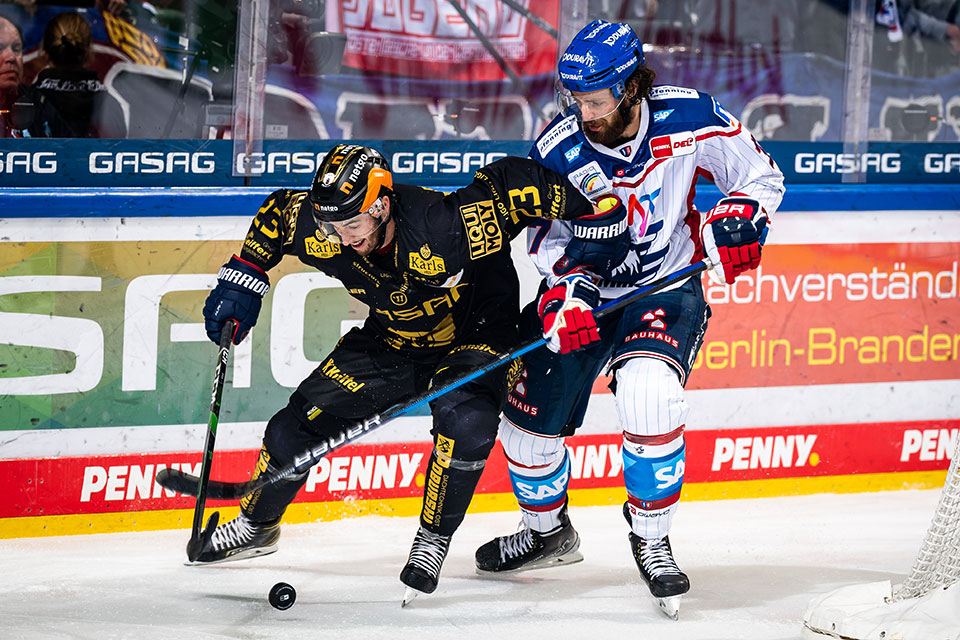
(350, 180)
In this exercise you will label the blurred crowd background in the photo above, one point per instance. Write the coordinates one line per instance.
(461, 69)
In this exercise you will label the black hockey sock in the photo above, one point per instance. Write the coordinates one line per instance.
(269, 503)
(448, 490)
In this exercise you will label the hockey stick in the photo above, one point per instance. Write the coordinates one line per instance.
(197, 536)
(185, 483)
(545, 26)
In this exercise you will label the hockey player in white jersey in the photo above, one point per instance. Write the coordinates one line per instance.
(648, 145)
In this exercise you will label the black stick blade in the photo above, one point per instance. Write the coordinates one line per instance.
(187, 484)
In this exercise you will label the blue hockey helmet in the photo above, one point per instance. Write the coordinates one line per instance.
(601, 56)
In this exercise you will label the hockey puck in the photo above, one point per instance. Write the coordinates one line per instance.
(282, 596)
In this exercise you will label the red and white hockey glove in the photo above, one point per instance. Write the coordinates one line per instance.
(567, 313)
(733, 233)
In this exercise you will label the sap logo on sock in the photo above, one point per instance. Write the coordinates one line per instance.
(669, 476)
(541, 491)
(769, 452)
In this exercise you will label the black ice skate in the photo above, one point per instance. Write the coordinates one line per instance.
(422, 571)
(529, 549)
(659, 570)
(238, 539)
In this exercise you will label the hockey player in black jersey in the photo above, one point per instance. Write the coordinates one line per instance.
(436, 273)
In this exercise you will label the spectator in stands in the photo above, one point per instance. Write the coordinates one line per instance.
(116, 8)
(934, 19)
(69, 99)
(11, 73)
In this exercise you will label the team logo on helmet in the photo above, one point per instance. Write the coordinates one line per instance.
(601, 56)
(349, 182)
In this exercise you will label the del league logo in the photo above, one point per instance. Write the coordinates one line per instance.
(675, 144)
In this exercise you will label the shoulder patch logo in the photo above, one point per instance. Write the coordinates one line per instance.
(573, 153)
(660, 116)
(668, 91)
(723, 114)
(675, 144)
(549, 139)
(589, 179)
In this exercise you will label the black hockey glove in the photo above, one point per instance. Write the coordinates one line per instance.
(238, 295)
(600, 241)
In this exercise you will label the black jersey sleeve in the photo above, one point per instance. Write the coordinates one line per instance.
(522, 190)
(272, 230)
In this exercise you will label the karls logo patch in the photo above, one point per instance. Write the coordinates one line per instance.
(589, 179)
(675, 144)
(423, 261)
(320, 249)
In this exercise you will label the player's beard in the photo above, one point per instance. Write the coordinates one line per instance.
(613, 126)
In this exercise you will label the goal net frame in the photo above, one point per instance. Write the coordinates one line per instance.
(925, 605)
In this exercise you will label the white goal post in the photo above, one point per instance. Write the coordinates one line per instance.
(926, 606)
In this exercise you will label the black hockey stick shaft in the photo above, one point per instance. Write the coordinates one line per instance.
(223, 355)
(545, 26)
(183, 483)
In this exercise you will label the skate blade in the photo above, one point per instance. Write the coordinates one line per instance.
(409, 596)
(569, 558)
(243, 555)
(670, 606)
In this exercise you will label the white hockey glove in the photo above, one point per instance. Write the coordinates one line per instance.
(733, 233)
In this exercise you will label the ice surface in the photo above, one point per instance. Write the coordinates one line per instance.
(754, 566)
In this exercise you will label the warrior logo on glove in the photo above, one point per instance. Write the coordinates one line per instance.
(600, 241)
(240, 288)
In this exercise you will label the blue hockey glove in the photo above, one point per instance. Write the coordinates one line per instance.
(600, 241)
(567, 313)
(733, 233)
(238, 295)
